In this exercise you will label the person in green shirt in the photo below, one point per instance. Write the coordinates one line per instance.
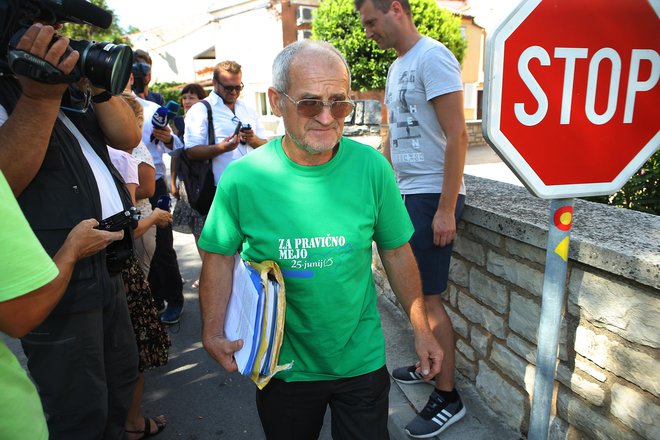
(314, 202)
(31, 284)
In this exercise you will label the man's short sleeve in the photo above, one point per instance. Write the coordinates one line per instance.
(393, 225)
(441, 72)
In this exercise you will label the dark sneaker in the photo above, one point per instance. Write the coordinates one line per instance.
(436, 416)
(172, 314)
(408, 375)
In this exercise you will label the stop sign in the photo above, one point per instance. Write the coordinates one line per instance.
(572, 97)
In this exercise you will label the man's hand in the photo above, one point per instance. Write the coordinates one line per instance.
(84, 240)
(230, 143)
(36, 40)
(444, 228)
(164, 135)
(430, 355)
(222, 350)
(161, 217)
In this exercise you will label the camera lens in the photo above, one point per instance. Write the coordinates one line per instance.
(106, 65)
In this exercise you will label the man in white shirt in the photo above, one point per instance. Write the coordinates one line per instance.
(228, 111)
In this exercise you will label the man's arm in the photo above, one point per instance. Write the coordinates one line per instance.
(386, 148)
(205, 152)
(196, 136)
(25, 134)
(449, 111)
(403, 275)
(118, 123)
(215, 286)
(20, 315)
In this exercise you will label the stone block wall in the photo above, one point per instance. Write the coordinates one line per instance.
(608, 374)
(475, 135)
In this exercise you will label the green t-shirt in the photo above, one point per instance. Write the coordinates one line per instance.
(25, 267)
(318, 223)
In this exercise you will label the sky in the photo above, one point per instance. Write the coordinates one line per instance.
(146, 14)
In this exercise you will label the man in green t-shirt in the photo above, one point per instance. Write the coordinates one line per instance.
(314, 202)
(31, 284)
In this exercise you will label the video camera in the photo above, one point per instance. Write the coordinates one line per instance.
(105, 64)
(140, 71)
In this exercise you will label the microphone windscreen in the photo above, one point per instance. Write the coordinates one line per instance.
(172, 109)
(87, 12)
(159, 119)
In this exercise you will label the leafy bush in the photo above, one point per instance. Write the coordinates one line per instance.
(337, 22)
(169, 90)
(641, 192)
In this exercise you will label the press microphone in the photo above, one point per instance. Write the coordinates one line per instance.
(172, 109)
(159, 120)
(82, 11)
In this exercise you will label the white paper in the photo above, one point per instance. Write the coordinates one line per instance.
(241, 315)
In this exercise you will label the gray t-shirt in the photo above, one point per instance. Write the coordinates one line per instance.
(417, 142)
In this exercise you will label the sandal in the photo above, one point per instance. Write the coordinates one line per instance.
(147, 432)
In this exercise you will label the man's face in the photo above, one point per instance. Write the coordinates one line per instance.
(315, 76)
(377, 25)
(229, 81)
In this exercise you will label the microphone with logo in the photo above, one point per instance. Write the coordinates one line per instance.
(159, 120)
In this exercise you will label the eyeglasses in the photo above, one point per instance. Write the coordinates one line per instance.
(230, 89)
(310, 108)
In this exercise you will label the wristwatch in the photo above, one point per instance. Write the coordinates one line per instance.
(101, 97)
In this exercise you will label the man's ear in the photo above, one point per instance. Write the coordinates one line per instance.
(274, 99)
(397, 8)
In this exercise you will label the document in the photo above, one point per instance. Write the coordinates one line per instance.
(244, 310)
(255, 314)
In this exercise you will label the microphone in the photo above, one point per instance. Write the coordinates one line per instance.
(159, 120)
(172, 109)
(82, 11)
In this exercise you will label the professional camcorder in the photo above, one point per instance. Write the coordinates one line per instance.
(105, 64)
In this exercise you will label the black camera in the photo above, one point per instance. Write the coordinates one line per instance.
(246, 127)
(106, 65)
(120, 220)
(140, 71)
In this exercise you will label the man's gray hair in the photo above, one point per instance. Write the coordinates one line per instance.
(283, 61)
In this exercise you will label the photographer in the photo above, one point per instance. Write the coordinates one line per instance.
(83, 356)
(142, 77)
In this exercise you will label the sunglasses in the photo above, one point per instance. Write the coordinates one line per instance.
(230, 89)
(310, 108)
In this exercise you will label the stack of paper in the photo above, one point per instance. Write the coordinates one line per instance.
(255, 314)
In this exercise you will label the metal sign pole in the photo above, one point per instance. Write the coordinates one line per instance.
(552, 304)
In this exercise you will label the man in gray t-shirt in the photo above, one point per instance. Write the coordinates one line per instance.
(426, 144)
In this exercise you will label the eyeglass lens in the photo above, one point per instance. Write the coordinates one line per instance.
(232, 88)
(313, 107)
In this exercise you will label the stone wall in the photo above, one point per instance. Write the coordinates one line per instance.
(475, 135)
(608, 374)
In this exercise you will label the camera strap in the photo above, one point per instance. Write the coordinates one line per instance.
(25, 64)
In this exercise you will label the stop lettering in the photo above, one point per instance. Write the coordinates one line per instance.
(572, 90)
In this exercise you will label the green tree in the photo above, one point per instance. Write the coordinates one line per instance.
(641, 192)
(337, 22)
(113, 34)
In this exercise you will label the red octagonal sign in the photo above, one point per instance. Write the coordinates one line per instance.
(572, 97)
